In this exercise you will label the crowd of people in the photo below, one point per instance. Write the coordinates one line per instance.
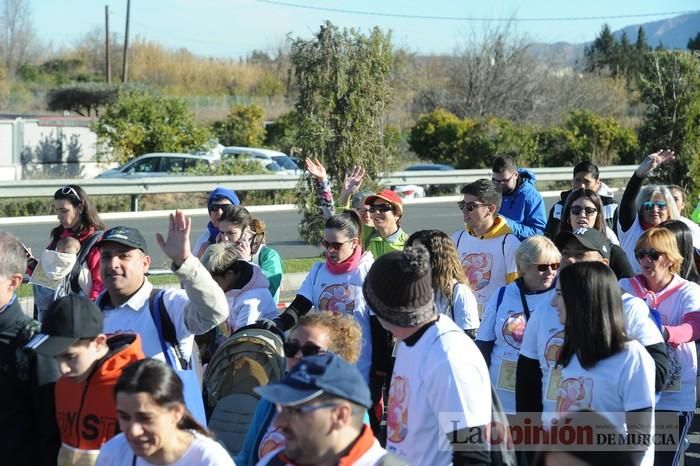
(429, 348)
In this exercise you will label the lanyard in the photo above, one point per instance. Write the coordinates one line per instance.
(523, 299)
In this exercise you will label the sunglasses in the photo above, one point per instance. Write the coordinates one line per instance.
(545, 267)
(470, 206)
(649, 205)
(292, 348)
(577, 210)
(652, 254)
(215, 207)
(68, 191)
(333, 244)
(380, 208)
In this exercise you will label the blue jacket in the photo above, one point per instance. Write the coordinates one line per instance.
(524, 208)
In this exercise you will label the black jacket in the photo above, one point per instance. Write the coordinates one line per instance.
(610, 208)
(28, 431)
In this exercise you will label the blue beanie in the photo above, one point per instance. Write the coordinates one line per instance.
(223, 193)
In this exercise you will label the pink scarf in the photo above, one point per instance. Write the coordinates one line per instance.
(347, 265)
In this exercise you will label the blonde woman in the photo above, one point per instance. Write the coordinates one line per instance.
(453, 297)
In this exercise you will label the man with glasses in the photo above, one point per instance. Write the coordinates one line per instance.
(321, 404)
(487, 245)
(522, 205)
(586, 175)
(216, 203)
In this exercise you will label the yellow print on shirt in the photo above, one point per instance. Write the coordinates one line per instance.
(477, 267)
(575, 394)
(397, 414)
(337, 298)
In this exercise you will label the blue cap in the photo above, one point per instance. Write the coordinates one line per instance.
(315, 375)
(223, 193)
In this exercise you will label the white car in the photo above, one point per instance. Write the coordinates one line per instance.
(267, 158)
(159, 164)
(409, 191)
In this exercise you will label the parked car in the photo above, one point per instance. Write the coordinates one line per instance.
(159, 164)
(288, 164)
(267, 158)
(409, 191)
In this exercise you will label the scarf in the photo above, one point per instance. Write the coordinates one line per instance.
(347, 265)
(213, 233)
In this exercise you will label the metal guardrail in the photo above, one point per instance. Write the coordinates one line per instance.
(188, 184)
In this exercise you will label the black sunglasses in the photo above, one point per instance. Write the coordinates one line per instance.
(380, 208)
(215, 207)
(292, 348)
(577, 210)
(470, 206)
(653, 254)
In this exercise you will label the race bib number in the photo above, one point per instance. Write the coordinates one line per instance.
(506, 376)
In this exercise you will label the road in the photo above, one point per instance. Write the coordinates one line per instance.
(281, 227)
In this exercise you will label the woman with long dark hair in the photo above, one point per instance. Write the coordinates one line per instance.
(684, 240)
(600, 369)
(156, 426)
(78, 217)
(584, 209)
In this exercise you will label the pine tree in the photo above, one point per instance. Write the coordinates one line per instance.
(694, 44)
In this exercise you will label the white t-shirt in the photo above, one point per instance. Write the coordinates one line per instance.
(679, 298)
(439, 385)
(342, 294)
(628, 240)
(463, 309)
(201, 244)
(694, 230)
(202, 452)
(486, 262)
(505, 326)
(250, 306)
(619, 383)
(544, 337)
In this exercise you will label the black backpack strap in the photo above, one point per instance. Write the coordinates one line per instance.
(156, 304)
(459, 238)
(85, 249)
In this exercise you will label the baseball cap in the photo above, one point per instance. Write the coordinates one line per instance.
(124, 235)
(590, 238)
(315, 375)
(67, 320)
(388, 195)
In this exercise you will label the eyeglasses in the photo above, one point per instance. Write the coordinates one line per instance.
(470, 206)
(68, 191)
(649, 205)
(215, 207)
(652, 254)
(334, 245)
(577, 210)
(545, 267)
(299, 410)
(292, 348)
(380, 208)
(503, 181)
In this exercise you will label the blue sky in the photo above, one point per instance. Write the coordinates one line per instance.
(233, 28)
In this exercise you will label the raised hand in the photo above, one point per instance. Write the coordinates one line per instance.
(177, 245)
(652, 161)
(315, 168)
(353, 179)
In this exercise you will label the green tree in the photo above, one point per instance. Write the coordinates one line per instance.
(84, 99)
(343, 94)
(670, 88)
(139, 122)
(243, 126)
(438, 136)
(601, 54)
(694, 43)
(282, 133)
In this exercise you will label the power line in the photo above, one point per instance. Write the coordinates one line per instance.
(470, 18)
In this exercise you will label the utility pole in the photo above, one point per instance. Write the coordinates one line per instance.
(126, 41)
(108, 52)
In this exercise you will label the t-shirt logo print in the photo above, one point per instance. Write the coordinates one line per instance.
(477, 267)
(575, 394)
(514, 329)
(337, 298)
(397, 413)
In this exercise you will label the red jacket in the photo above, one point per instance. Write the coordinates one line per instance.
(92, 261)
(86, 412)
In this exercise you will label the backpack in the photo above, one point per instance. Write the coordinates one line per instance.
(251, 357)
(43, 297)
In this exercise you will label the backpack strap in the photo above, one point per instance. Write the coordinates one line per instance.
(499, 299)
(165, 327)
(452, 301)
(85, 249)
(459, 238)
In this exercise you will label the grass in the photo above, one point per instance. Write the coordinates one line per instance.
(290, 266)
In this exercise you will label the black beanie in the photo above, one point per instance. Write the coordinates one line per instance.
(398, 288)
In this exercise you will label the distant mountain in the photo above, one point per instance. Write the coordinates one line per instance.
(673, 33)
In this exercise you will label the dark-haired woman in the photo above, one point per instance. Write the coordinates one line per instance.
(216, 203)
(684, 240)
(676, 303)
(601, 370)
(156, 426)
(78, 217)
(584, 209)
(336, 284)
